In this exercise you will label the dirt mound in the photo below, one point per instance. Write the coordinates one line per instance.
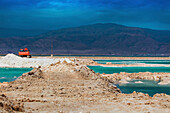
(50, 85)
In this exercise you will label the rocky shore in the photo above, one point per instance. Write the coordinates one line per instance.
(73, 87)
(123, 77)
(109, 64)
(126, 58)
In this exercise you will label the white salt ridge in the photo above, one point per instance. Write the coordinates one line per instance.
(11, 60)
(2, 77)
(139, 82)
(123, 81)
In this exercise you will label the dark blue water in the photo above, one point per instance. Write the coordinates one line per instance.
(10, 74)
(134, 61)
(111, 70)
(148, 86)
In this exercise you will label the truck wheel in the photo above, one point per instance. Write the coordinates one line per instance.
(29, 56)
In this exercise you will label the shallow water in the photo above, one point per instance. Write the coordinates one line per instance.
(148, 86)
(111, 70)
(134, 61)
(10, 74)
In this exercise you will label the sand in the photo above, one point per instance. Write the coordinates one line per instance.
(73, 87)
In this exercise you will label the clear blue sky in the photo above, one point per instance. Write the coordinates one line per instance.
(54, 14)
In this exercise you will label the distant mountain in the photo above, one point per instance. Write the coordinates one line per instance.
(9, 32)
(99, 38)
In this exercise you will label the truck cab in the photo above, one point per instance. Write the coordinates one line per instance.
(24, 53)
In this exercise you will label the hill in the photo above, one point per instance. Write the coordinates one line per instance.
(98, 38)
(9, 32)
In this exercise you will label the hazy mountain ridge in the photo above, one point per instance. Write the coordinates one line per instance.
(93, 39)
(11, 32)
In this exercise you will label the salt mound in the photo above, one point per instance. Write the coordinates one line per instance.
(11, 56)
(11, 60)
(65, 59)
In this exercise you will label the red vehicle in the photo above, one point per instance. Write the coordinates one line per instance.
(24, 53)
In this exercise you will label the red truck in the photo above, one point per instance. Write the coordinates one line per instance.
(24, 53)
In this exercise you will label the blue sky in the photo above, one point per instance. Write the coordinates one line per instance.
(54, 14)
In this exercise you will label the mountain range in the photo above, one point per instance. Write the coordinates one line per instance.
(95, 39)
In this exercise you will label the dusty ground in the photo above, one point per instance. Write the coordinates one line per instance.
(74, 88)
(12, 60)
(128, 58)
(114, 58)
(107, 58)
(111, 58)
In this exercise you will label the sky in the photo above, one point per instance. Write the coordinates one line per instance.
(55, 14)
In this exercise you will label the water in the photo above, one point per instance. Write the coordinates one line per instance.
(111, 70)
(134, 61)
(10, 74)
(148, 86)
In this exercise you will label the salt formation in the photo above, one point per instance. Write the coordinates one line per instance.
(123, 81)
(11, 60)
(138, 82)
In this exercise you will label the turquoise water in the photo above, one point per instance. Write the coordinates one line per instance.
(10, 74)
(134, 61)
(148, 86)
(111, 70)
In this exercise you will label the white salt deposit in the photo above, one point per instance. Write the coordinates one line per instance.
(104, 75)
(165, 81)
(123, 81)
(11, 60)
(139, 82)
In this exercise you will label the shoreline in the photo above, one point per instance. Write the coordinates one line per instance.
(131, 65)
(108, 58)
(163, 77)
(73, 87)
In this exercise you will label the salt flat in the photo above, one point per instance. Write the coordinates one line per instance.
(12, 60)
